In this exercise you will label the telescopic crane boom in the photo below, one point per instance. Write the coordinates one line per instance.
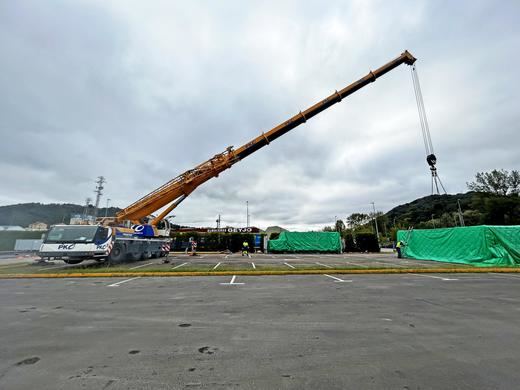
(177, 189)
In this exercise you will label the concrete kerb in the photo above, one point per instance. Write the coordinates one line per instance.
(384, 271)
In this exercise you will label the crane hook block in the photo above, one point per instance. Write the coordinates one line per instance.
(431, 160)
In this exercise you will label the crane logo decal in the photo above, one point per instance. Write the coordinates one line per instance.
(66, 246)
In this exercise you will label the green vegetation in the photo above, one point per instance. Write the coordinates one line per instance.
(102, 268)
(499, 182)
(26, 213)
(8, 238)
(434, 211)
(478, 208)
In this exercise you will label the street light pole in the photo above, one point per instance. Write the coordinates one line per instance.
(375, 221)
(106, 209)
(461, 216)
(247, 213)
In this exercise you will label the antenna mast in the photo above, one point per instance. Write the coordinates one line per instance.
(99, 191)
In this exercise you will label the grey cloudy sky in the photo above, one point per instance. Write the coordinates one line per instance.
(141, 91)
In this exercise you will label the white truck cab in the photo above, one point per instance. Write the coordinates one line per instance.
(75, 243)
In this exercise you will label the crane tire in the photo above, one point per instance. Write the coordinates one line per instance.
(134, 256)
(117, 254)
(73, 261)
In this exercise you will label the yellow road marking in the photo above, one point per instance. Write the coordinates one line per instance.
(262, 272)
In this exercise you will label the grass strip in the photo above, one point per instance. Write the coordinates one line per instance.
(152, 273)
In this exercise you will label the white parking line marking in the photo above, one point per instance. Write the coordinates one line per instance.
(141, 266)
(232, 282)
(225, 257)
(435, 277)
(124, 281)
(504, 275)
(180, 265)
(289, 265)
(254, 266)
(337, 279)
(324, 265)
(215, 267)
(356, 264)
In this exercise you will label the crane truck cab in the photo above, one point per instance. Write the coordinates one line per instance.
(75, 243)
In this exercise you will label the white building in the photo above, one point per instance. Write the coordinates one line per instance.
(37, 226)
(11, 228)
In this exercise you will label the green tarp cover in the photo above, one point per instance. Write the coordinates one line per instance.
(476, 245)
(306, 242)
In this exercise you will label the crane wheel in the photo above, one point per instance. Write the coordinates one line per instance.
(117, 254)
(134, 256)
(69, 261)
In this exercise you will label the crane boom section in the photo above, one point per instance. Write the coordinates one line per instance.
(185, 183)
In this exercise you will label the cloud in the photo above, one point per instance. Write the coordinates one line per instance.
(139, 93)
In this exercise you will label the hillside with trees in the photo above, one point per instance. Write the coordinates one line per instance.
(478, 208)
(493, 200)
(24, 214)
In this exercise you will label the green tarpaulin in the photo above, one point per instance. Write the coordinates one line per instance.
(306, 242)
(476, 245)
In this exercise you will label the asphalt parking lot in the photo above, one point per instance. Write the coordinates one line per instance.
(412, 331)
(232, 262)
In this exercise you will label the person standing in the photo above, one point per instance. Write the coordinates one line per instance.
(245, 248)
(398, 247)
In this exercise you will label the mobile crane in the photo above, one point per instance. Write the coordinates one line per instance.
(134, 233)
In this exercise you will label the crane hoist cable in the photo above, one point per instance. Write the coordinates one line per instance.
(431, 159)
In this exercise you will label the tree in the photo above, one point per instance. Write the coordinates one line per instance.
(356, 220)
(499, 182)
(340, 226)
(514, 182)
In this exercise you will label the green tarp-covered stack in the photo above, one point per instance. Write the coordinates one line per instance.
(306, 242)
(476, 245)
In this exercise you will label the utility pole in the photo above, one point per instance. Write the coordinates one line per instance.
(461, 217)
(247, 213)
(99, 191)
(375, 221)
(218, 229)
(106, 209)
(433, 221)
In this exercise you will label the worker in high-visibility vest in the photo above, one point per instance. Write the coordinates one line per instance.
(398, 249)
(245, 248)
